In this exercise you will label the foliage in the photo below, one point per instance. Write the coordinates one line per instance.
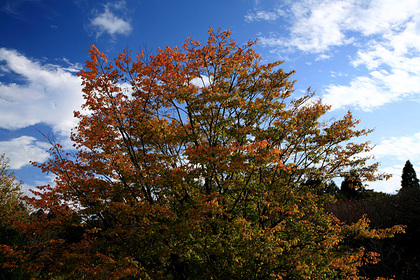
(198, 163)
(10, 190)
(409, 177)
(11, 210)
(399, 255)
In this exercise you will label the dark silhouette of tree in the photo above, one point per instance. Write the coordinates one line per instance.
(352, 186)
(409, 177)
(332, 189)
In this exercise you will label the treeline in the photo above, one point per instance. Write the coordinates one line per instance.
(399, 256)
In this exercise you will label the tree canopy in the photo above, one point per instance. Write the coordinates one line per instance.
(198, 163)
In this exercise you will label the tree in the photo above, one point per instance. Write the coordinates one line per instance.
(11, 210)
(193, 163)
(352, 186)
(10, 191)
(409, 177)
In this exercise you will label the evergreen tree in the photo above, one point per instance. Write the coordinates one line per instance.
(409, 177)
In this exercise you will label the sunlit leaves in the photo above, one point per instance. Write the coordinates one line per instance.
(198, 162)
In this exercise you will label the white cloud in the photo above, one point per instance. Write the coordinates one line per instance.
(396, 150)
(315, 26)
(318, 25)
(362, 92)
(322, 28)
(323, 57)
(263, 16)
(49, 94)
(398, 51)
(338, 74)
(379, 16)
(24, 149)
(401, 148)
(204, 81)
(48, 179)
(72, 67)
(387, 35)
(370, 92)
(108, 22)
(391, 185)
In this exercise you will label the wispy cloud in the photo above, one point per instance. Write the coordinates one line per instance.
(387, 38)
(44, 93)
(13, 7)
(316, 26)
(323, 57)
(401, 148)
(109, 22)
(263, 15)
(393, 63)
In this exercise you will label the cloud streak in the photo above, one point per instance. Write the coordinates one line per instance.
(263, 16)
(12, 7)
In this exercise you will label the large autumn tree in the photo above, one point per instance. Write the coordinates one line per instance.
(197, 163)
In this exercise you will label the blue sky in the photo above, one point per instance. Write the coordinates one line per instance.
(361, 56)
